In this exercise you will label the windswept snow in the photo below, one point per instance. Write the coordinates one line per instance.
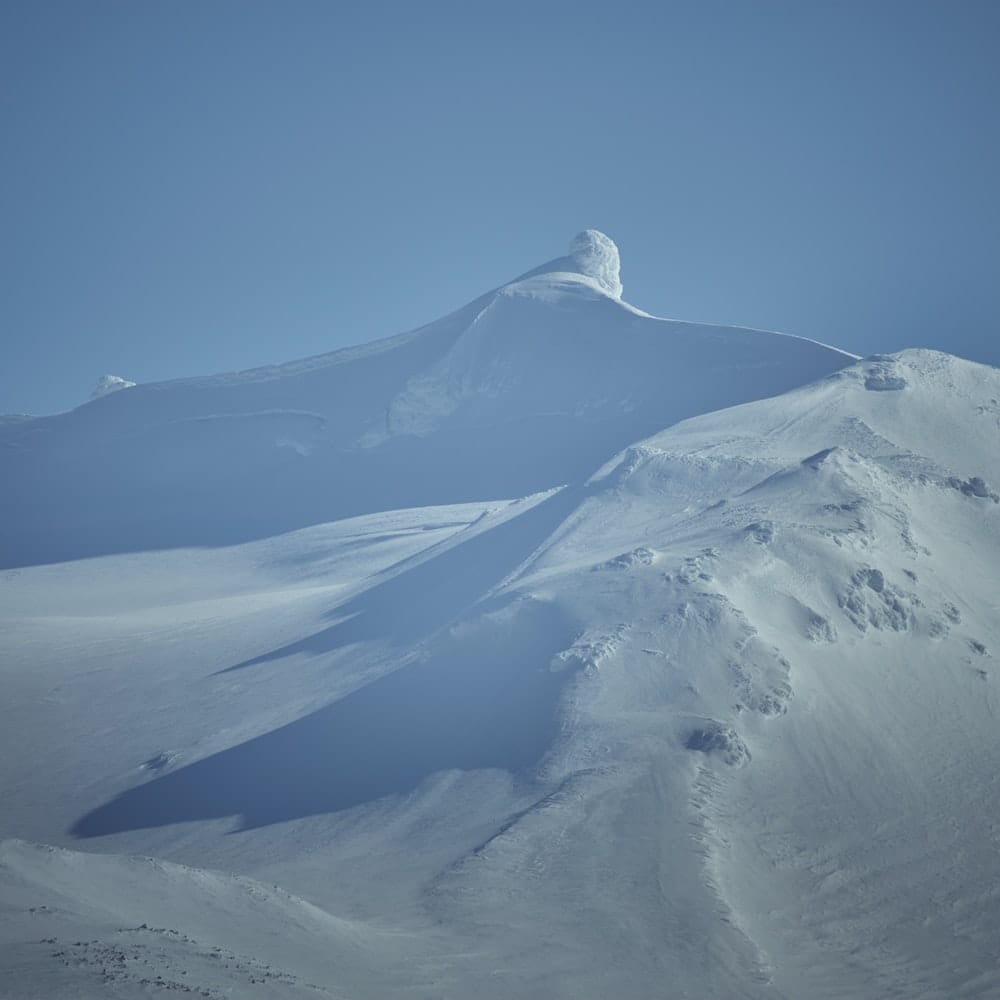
(596, 256)
(110, 383)
(674, 676)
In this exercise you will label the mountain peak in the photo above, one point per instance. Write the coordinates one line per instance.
(596, 255)
(592, 255)
(110, 383)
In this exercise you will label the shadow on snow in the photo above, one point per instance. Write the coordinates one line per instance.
(483, 696)
(417, 602)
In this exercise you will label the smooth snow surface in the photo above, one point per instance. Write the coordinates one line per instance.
(707, 711)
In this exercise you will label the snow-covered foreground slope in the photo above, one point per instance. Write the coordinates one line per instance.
(801, 594)
(76, 924)
(531, 386)
(719, 721)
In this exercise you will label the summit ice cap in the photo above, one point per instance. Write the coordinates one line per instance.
(596, 256)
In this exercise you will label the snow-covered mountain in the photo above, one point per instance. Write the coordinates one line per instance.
(551, 692)
(531, 386)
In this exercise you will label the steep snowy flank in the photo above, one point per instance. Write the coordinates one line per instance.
(789, 625)
(531, 386)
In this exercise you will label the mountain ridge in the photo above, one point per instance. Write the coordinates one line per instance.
(528, 387)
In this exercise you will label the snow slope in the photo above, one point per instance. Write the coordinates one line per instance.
(801, 594)
(123, 927)
(714, 719)
(530, 386)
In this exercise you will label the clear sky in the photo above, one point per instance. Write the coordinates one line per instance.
(207, 185)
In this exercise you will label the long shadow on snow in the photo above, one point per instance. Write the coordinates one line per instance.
(417, 602)
(484, 698)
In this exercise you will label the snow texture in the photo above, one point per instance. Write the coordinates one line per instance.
(551, 650)
(596, 256)
(109, 383)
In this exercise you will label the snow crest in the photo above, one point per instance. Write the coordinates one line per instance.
(596, 256)
(110, 383)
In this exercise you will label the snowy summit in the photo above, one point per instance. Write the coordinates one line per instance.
(596, 256)
(107, 384)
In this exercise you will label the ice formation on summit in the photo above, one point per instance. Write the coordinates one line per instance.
(596, 256)
(110, 383)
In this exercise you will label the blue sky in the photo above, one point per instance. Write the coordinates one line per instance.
(193, 187)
